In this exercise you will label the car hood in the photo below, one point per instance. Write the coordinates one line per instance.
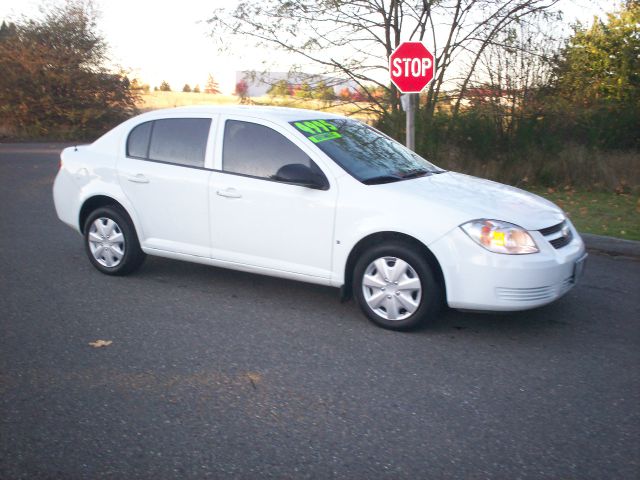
(458, 198)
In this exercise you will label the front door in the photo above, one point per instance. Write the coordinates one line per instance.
(259, 221)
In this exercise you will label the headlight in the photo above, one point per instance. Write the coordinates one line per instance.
(500, 237)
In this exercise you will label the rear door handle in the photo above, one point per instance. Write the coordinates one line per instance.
(229, 193)
(139, 178)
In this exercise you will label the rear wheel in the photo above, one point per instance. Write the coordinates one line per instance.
(111, 242)
(395, 286)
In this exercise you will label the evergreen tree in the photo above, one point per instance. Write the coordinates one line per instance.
(212, 86)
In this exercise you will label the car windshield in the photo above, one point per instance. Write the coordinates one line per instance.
(365, 153)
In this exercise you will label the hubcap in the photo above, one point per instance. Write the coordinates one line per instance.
(106, 242)
(391, 288)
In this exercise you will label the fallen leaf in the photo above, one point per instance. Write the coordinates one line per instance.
(254, 378)
(100, 343)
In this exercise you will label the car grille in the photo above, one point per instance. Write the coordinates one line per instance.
(558, 235)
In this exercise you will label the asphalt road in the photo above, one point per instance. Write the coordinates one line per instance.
(214, 373)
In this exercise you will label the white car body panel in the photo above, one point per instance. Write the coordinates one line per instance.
(268, 224)
(307, 234)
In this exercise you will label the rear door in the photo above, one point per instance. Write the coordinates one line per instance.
(163, 173)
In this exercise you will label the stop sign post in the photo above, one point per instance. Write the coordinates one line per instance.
(411, 67)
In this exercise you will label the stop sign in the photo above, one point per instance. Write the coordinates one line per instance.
(411, 67)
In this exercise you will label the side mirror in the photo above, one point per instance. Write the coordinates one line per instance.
(299, 174)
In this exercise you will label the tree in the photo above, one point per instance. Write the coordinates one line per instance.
(511, 74)
(146, 88)
(304, 91)
(242, 90)
(345, 94)
(54, 79)
(165, 87)
(196, 89)
(322, 91)
(596, 86)
(602, 63)
(212, 86)
(280, 89)
(7, 30)
(186, 88)
(354, 39)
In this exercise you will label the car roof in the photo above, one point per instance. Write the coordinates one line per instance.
(266, 112)
(275, 114)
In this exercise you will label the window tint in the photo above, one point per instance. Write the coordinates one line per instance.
(180, 140)
(259, 151)
(138, 140)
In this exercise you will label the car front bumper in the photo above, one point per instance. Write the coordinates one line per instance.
(477, 279)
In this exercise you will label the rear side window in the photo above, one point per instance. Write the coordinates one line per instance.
(138, 141)
(258, 151)
(182, 141)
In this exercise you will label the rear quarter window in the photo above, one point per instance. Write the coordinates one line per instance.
(138, 141)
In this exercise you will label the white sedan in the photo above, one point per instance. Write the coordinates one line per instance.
(315, 197)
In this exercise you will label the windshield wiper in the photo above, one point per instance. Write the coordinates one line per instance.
(381, 179)
(416, 174)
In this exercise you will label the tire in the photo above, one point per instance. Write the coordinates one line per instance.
(395, 295)
(111, 241)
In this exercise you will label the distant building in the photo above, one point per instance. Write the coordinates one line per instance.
(260, 83)
(484, 95)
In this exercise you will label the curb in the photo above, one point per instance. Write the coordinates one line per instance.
(611, 246)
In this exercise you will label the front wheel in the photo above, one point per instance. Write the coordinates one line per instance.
(111, 241)
(395, 287)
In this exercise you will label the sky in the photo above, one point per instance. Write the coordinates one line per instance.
(170, 41)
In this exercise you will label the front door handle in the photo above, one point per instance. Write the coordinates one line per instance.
(229, 193)
(139, 178)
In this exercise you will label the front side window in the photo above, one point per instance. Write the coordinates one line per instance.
(259, 151)
(365, 153)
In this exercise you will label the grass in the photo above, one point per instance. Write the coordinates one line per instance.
(156, 100)
(600, 213)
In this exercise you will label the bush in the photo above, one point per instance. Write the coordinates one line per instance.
(555, 147)
(54, 83)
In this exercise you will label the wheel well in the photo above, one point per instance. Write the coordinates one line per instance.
(96, 202)
(380, 237)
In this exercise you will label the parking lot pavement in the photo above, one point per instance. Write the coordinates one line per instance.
(214, 373)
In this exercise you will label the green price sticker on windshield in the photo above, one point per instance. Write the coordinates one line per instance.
(318, 130)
